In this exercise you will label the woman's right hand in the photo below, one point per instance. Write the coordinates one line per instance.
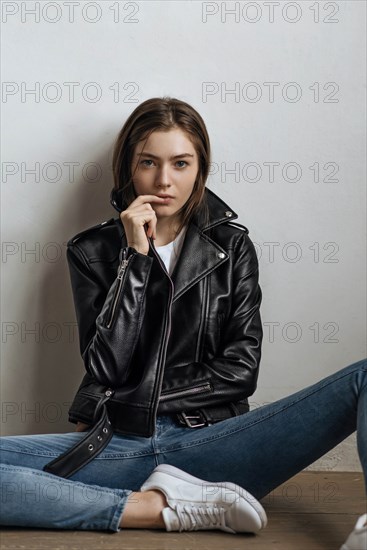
(133, 218)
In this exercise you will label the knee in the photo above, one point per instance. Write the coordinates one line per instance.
(359, 365)
(359, 370)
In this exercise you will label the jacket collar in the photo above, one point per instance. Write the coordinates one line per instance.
(200, 254)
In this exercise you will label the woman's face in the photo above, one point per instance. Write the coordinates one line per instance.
(168, 165)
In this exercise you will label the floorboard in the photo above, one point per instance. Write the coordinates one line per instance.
(311, 511)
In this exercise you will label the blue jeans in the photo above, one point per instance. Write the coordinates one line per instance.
(258, 450)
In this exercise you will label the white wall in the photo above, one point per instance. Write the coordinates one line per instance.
(313, 287)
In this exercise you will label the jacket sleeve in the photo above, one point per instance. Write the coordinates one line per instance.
(108, 326)
(233, 372)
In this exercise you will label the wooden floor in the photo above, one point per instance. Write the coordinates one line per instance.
(312, 511)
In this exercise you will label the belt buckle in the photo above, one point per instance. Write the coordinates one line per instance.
(188, 417)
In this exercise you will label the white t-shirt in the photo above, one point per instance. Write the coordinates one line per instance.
(170, 252)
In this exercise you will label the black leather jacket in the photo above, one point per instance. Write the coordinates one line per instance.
(166, 344)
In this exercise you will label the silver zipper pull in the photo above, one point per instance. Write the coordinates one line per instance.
(123, 263)
(123, 254)
(122, 268)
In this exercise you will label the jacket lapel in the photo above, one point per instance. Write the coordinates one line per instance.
(199, 256)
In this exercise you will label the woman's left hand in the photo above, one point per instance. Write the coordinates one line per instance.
(81, 427)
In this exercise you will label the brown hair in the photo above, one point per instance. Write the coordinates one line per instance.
(163, 114)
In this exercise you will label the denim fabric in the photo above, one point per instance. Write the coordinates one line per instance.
(258, 450)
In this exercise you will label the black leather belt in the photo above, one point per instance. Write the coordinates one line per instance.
(210, 415)
(192, 420)
(95, 440)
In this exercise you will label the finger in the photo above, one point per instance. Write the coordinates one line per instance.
(146, 229)
(153, 224)
(149, 225)
(145, 202)
(149, 198)
(154, 232)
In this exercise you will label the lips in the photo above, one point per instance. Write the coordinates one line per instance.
(165, 196)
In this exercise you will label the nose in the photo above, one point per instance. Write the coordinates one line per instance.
(162, 177)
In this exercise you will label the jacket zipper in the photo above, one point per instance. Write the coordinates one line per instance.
(189, 391)
(168, 332)
(203, 322)
(120, 276)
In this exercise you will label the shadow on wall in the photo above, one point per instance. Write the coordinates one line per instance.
(54, 367)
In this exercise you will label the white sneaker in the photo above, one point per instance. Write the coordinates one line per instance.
(357, 540)
(197, 504)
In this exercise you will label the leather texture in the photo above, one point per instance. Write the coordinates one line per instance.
(166, 344)
(85, 450)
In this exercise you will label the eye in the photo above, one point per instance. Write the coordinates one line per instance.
(184, 161)
(146, 160)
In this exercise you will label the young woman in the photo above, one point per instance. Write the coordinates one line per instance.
(167, 302)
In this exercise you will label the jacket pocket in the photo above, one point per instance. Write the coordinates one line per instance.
(174, 394)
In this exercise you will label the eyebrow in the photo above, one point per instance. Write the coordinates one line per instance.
(146, 154)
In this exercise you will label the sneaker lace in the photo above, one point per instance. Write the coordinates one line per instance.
(192, 517)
